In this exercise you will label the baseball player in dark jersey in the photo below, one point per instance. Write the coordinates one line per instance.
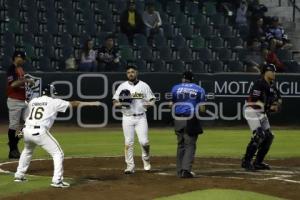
(264, 99)
(16, 100)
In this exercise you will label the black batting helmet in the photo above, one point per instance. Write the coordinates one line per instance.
(49, 90)
(268, 67)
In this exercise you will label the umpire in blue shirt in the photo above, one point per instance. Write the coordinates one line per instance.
(186, 106)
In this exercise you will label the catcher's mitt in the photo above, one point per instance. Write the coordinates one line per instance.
(125, 98)
(275, 102)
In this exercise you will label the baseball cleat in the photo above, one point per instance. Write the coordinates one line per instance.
(60, 184)
(14, 154)
(20, 179)
(147, 165)
(129, 171)
(247, 165)
(261, 166)
(187, 174)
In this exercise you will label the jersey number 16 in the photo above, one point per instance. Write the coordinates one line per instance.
(38, 113)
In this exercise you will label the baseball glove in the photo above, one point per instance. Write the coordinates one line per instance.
(275, 102)
(125, 98)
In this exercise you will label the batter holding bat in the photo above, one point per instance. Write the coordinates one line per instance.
(134, 97)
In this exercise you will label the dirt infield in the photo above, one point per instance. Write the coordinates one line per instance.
(103, 178)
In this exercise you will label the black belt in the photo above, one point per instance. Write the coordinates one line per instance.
(135, 115)
(35, 127)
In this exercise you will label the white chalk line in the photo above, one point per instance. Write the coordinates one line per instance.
(269, 172)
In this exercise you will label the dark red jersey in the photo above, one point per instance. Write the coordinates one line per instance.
(15, 73)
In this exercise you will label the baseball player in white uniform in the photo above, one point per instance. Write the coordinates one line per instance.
(42, 113)
(138, 97)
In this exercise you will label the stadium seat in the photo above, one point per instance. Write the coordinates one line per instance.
(210, 8)
(5, 62)
(284, 55)
(127, 53)
(173, 8)
(226, 32)
(185, 55)
(198, 67)
(199, 20)
(178, 42)
(205, 55)
(235, 66)
(119, 7)
(177, 66)
(235, 43)
(29, 49)
(180, 20)
(191, 9)
(292, 66)
(122, 40)
(139, 40)
(141, 65)
(146, 54)
(45, 65)
(168, 31)
(197, 43)
(224, 55)
(165, 54)
(217, 20)
(207, 31)
(243, 32)
(159, 66)
(216, 43)
(187, 31)
(108, 26)
(216, 66)
(159, 41)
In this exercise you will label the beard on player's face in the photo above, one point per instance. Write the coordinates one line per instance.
(132, 75)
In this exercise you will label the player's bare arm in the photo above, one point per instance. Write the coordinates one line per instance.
(77, 103)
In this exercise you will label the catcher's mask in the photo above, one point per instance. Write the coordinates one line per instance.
(49, 90)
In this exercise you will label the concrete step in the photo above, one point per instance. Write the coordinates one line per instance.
(283, 12)
(274, 3)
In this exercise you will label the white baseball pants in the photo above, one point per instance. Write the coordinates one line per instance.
(41, 137)
(256, 119)
(132, 124)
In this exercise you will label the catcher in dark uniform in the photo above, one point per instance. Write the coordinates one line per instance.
(263, 100)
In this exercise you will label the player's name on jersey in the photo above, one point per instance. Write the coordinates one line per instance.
(40, 104)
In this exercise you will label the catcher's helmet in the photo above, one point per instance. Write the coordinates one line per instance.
(268, 67)
(49, 90)
(188, 75)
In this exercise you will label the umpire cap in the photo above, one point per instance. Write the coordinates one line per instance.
(49, 90)
(268, 67)
(18, 53)
(188, 75)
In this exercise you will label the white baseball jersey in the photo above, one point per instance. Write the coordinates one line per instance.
(140, 93)
(43, 111)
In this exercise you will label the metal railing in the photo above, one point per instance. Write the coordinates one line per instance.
(296, 8)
